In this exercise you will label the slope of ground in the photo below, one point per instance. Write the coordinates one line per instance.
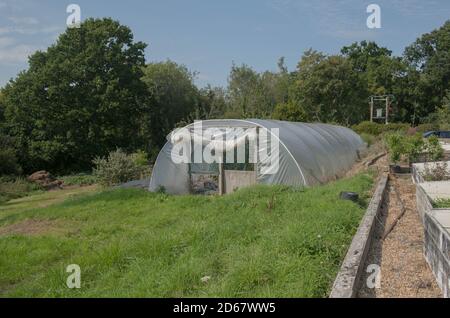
(258, 242)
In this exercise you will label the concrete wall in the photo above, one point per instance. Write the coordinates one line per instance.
(349, 277)
(436, 223)
(437, 251)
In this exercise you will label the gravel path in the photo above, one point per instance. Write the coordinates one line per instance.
(404, 271)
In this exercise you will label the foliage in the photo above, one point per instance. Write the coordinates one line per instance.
(441, 204)
(429, 56)
(8, 158)
(172, 97)
(423, 128)
(433, 149)
(368, 139)
(79, 99)
(396, 145)
(16, 187)
(119, 167)
(329, 89)
(407, 147)
(368, 127)
(295, 249)
(437, 171)
(255, 95)
(290, 111)
(376, 129)
(80, 179)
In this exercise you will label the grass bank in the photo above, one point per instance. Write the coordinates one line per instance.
(258, 242)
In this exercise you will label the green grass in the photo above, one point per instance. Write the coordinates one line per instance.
(16, 187)
(258, 242)
(82, 179)
(441, 204)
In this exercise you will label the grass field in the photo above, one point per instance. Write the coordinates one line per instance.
(258, 242)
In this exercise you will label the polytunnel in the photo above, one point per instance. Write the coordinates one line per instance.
(276, 152)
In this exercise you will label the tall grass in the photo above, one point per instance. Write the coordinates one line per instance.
(258, 242)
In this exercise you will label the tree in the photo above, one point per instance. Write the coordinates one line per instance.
(361, 54)
(79, 99)
(213, 103)
(329, 89)
(429, 55)
(253, 94)
(173, 98)
(290, 111)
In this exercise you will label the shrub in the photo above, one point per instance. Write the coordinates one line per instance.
(368, 139)
(14, 188)
(289, 111)
(434, 149)
(414, 147)
(392, 127)
(396, 146)
(423, 128)
(119, 167)
(375, 129)
(437, 172)
(8, 162)
(368, 127)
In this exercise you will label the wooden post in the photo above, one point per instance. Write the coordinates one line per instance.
(387, 110)
(221, 179)
(371, 109)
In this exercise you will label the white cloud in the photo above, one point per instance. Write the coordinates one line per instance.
(24, 20)
(6, 41)
(16, 54)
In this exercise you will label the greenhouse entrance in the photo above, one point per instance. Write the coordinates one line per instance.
(223, 178)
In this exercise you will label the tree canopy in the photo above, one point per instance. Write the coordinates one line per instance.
(80, 98)
(93, 92)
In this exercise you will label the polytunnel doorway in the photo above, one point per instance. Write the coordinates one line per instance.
(223, 178)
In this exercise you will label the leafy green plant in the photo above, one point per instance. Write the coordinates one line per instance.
(14, 188)
(413, 146)
(396, 146)
(118, 168)
(368, 127)
(441, 204)
(368, 138)
(434, 149)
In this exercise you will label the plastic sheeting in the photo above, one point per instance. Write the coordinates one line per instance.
(308, 154)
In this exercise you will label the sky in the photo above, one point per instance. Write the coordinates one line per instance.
(208, 36)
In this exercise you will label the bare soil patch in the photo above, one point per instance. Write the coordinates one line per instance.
(32, 227)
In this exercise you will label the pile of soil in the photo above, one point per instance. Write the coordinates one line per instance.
(45, 180)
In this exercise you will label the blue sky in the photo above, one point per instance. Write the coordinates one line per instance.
(209, 35)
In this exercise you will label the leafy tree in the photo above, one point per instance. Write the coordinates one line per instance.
(79, 99)
(290, 111)
(213, 103)
(329, 89)
(362, 53)
(253, 94)
(244, 90)
(173, 97)
(429, 55)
